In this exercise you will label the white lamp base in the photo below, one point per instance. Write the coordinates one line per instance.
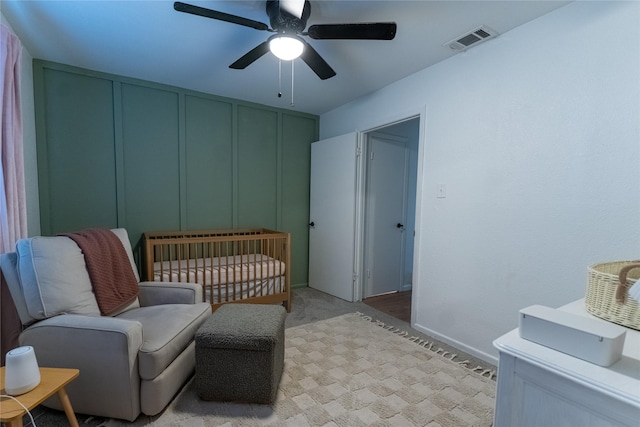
(21, 372)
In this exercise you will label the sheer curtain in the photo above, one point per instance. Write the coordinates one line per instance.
(13, 207)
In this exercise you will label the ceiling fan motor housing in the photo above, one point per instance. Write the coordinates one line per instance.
(284, 22)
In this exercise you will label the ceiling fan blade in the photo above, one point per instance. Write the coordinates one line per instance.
(293, 7)
(221, 16)
(316, 63)
(364, 31)
(251, 56)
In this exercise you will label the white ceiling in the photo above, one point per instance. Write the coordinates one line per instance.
(147, 39)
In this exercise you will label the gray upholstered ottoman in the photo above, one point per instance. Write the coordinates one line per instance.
(240, 353)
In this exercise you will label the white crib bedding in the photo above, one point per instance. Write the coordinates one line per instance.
(241, 270)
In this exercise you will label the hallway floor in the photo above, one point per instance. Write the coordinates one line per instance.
(397, 304)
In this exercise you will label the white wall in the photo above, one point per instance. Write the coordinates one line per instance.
(536, 135)
(29, 140)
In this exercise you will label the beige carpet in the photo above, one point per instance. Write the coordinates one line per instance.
(351, 371)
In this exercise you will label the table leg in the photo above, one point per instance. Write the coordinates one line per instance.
(66, 404)
(16, 422)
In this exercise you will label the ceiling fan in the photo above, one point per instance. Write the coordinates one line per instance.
(288, 19)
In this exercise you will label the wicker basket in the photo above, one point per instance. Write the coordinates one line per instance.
(607, 290)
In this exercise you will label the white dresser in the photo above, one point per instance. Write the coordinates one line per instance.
(538, 386)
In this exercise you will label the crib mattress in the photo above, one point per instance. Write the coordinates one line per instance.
(215, 271)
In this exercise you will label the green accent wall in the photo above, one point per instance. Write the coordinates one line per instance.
(257, 167)
(121, 152)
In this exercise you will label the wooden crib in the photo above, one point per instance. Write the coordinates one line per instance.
(233, 266)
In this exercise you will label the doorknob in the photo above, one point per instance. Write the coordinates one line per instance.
(312, 224)
(400, 225)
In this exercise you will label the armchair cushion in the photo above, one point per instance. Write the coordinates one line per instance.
(54, 277)
(168, 330)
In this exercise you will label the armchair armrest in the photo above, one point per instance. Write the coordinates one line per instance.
(156, 293)
(104, 349)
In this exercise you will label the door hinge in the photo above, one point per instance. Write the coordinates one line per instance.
(358, 151)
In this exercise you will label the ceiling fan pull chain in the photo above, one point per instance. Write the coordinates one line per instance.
(279, 78)
(292, 61)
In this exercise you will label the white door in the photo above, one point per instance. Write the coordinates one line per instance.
(387, 165)
(332, 215)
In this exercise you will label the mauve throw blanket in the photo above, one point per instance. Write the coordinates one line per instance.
(114, 284)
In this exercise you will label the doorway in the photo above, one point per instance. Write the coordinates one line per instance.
(387, 164)
(389, 217)
(337, 232)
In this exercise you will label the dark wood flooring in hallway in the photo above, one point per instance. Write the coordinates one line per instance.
(397, 304)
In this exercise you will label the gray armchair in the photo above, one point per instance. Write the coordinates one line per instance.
(130, 363)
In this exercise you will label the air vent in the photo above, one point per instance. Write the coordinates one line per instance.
(476, 36)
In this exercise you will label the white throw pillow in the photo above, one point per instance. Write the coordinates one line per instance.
(54, 277)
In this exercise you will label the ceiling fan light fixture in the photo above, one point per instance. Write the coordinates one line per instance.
(286, 48)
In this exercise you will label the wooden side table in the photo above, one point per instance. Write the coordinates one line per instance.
(52, 380)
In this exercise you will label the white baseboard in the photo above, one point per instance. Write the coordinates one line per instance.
(457, 344)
